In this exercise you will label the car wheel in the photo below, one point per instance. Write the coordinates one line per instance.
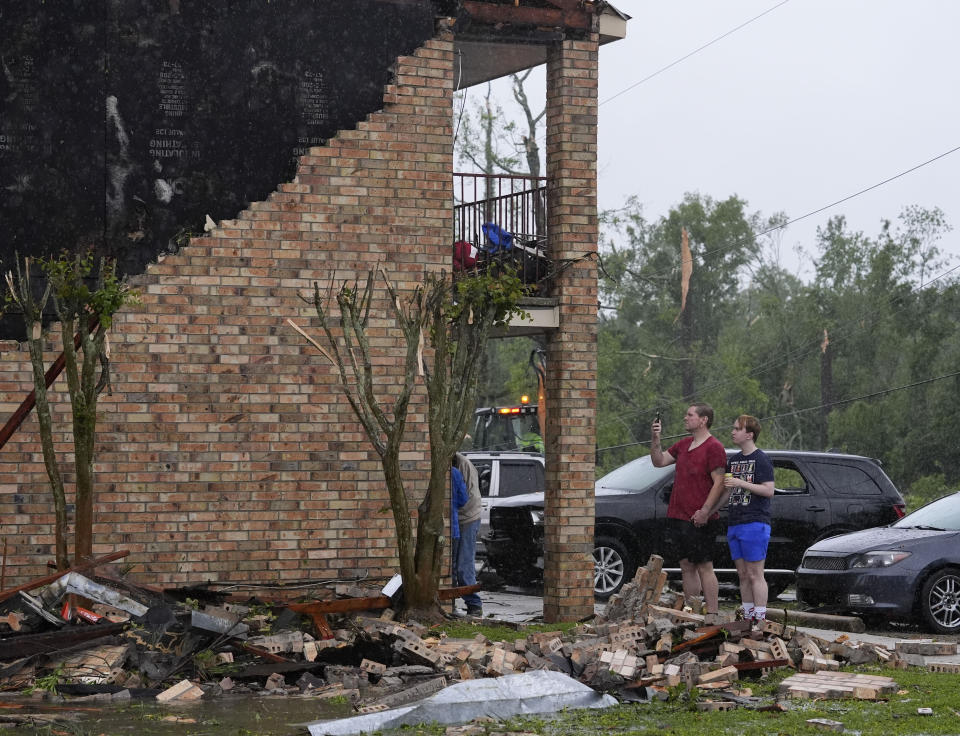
(940, 601)
(612, 566)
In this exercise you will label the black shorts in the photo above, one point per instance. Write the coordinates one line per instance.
(696, 544)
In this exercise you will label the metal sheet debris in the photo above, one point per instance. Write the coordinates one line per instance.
(74, 582)
(498, 697)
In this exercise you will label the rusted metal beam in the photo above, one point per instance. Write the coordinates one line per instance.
(317, 610)
(494, 13)
(16, 419)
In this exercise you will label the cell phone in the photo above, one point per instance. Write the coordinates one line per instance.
(658, 416)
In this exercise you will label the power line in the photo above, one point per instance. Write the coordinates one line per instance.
(781, 226)
(683, 58)
(692, 53)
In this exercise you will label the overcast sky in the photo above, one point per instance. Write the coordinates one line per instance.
(808, 104)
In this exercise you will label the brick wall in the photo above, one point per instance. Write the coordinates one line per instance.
(226, 451)
(572, 349)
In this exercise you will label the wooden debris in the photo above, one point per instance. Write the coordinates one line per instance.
(726, 673)
(95, 666)
(182, 691)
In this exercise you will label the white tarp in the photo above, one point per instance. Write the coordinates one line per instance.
(496, 697)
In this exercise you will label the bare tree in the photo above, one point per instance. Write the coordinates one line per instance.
(494, 143)
(455, 331)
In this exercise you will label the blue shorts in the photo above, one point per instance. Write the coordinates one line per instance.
(749, 541)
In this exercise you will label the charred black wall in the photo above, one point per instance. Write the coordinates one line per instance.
(123, 123)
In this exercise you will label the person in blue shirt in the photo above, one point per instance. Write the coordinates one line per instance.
(748, 491)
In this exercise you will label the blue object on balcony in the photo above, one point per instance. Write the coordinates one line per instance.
(497, 237)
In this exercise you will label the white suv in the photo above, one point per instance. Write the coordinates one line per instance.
(502, 475)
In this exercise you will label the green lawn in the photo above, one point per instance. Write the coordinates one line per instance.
(678, 716)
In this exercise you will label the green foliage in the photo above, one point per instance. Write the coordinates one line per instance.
(70, 278)
(500, 292)
(927, 488)
(859, 359)
(505, 374)
(205, 661)
(48, 682)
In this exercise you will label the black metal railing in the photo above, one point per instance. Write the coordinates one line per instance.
(502, 220)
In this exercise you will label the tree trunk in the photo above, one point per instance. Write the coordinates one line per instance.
(687, 367)
(45, 421)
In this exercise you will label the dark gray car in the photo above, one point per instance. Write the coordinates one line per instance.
(908, 570)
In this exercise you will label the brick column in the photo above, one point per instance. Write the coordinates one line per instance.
(572, 349)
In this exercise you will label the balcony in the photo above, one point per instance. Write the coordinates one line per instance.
(501, 220)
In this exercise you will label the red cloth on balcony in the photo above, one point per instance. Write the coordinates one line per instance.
(464, 255)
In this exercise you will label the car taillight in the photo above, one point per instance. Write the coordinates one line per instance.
(900, 510)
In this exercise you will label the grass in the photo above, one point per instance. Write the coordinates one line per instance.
(468, 630)
(896, 716)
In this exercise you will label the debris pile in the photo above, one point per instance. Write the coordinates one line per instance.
(97, 635)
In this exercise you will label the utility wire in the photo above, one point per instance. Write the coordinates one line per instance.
(774, 228)
(683, 58)
(672, 64)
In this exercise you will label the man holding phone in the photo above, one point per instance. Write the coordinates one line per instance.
(701, 462)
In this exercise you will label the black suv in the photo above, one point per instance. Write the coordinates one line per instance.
(818, 495)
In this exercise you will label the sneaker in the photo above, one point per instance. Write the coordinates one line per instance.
(475, 611)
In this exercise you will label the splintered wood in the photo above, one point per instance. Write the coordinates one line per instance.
(837, 685)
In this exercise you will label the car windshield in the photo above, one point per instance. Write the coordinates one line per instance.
(944, 514)
(635, 475)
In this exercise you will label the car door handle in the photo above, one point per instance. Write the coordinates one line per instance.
(816, 508)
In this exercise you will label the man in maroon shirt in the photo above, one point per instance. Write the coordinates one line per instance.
(701, 461)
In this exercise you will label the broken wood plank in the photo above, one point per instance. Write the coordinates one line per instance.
(25, 645)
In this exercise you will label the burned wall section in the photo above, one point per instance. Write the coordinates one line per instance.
(226, 450)
(125, 124)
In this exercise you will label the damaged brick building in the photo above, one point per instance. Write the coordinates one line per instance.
(229, 157)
